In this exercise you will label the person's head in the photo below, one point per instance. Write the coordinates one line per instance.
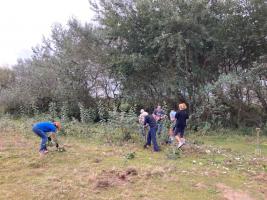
(142, 110)
(57, 124)
(158, 107)
(182, 106)
(150, 109)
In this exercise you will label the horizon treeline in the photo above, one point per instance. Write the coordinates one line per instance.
(140, 53)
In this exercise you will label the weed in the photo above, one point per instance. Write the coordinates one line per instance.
(198, 142)
(130, 156)
(173, 153)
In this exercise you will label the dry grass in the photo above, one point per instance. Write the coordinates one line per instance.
(88, 170)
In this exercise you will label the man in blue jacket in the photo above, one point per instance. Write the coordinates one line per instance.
(151, 122)
(41, 129)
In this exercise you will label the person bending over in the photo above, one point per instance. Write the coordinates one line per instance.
(42, 129)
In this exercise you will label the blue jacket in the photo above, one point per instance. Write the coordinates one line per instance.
(149, 119)
(45, 127)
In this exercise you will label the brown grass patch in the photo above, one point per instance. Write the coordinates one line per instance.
(231, 194)
(113, 178)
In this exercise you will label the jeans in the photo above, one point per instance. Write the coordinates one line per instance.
(43, 137)
(159, 128)
(152, 136)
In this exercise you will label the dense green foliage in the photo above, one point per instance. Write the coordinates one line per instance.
(210, 54)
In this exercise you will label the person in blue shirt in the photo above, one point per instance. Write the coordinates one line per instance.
(42, 129)
(172, 115)
(151, 122)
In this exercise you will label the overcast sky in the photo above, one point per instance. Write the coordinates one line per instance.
(23, 23)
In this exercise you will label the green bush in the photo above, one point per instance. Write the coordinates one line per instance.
(121, 126)
(53, 110)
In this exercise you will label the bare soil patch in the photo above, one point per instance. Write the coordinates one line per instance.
(200, 186)
(113, 178)
(231, 194)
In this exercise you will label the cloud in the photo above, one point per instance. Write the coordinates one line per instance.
(24, 23)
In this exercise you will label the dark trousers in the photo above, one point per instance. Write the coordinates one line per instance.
(159, 128)
(152, 136)
(43, 137)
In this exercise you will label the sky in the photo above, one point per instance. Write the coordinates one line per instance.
(23, 23)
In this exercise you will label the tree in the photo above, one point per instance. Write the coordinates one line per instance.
(6, 78)
(177, 47)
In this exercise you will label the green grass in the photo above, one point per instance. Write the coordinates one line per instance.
(79, 172)
(242, 144)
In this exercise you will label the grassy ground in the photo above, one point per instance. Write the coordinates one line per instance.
(211, 167)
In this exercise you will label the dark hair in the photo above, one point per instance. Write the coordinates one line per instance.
(150, 110)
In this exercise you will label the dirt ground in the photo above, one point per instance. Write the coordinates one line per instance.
(89, 170)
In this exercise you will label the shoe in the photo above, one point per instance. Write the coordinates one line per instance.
(146, 145)
(180, 144)
(43, 152)
(171, 140)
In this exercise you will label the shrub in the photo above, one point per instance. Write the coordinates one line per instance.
(53, 110)
(86, 114)
(64, 112)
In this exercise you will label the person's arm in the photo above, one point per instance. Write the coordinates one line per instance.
(54, 138)
(141, 118)
(145, 121)
(172, 118)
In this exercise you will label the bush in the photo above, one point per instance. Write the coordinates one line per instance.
(121, 126)
(87, 115)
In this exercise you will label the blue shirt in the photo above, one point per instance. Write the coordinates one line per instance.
(149, 119)
(172, 114)
(46, 127)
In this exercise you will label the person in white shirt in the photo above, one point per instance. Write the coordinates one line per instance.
(141, 120)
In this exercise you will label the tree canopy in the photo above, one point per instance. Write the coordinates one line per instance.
(209, 53)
